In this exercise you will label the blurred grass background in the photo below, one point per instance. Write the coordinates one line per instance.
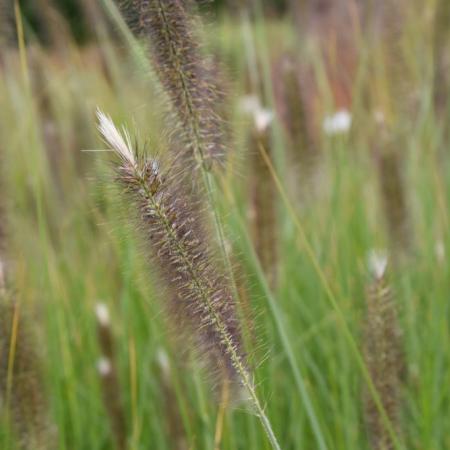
(70, 251)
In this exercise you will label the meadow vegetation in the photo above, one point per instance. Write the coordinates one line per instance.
(225, 230)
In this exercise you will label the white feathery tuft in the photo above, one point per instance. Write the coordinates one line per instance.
(263, 118)
(104, 366)
(338, 123)
(102, 313)
(120, 142)
(377, 262)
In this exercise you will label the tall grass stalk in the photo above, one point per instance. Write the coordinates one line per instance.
(394, 201)
(210, 183)
(23, 401)
(109, 378)
(441, 48)
(21, 389)
(7, 35)
(383, 355)
(332, 298)
(263, 195)
(200, 293)
(175, 423)
(292, 85)
(186, 75)
(283, 333)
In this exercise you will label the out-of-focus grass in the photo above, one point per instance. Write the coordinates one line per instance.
(71, 251)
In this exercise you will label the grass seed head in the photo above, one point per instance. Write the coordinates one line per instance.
(187, 75)
(7, 28)
(109, 378)
(394, 202)
(200, 294)
(383, 355)
(22, 394)
(263, 214)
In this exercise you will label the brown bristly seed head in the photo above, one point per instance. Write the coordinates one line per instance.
(383, 355)
(263, 214)
(109, 378)
(441, 55)
(200, 295)
(21, 383)
(187, 75)
(173, 419)
(395, 202)
(293, 98)
(7, 30)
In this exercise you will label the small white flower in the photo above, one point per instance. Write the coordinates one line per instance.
(377, 261)
(263, 117)
(439, 250)
(102, 313)
(104, 366)
(338, 123)
(120, 142)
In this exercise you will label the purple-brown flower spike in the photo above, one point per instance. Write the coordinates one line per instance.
(186, 74)
(263, 209)
(200, 295)
(22, 396)
(383, 355)
(395, 202)
(180, 251)
(109, 379)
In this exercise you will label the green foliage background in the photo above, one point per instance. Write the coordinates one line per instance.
(72, 12)
(72, 251)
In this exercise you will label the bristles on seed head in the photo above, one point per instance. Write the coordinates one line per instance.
(119, 142)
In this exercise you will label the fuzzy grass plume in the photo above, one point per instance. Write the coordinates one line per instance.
(334, 26)
(23, 402)
(263, 214)
(177, 238)
(22, 397)
(394, 202)
(291, 105)
(383, 355)
(173, 417)
(186, 74)
(7, 30)
(291, 94)
(200, 294)
(441, 55)
(109, 379)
